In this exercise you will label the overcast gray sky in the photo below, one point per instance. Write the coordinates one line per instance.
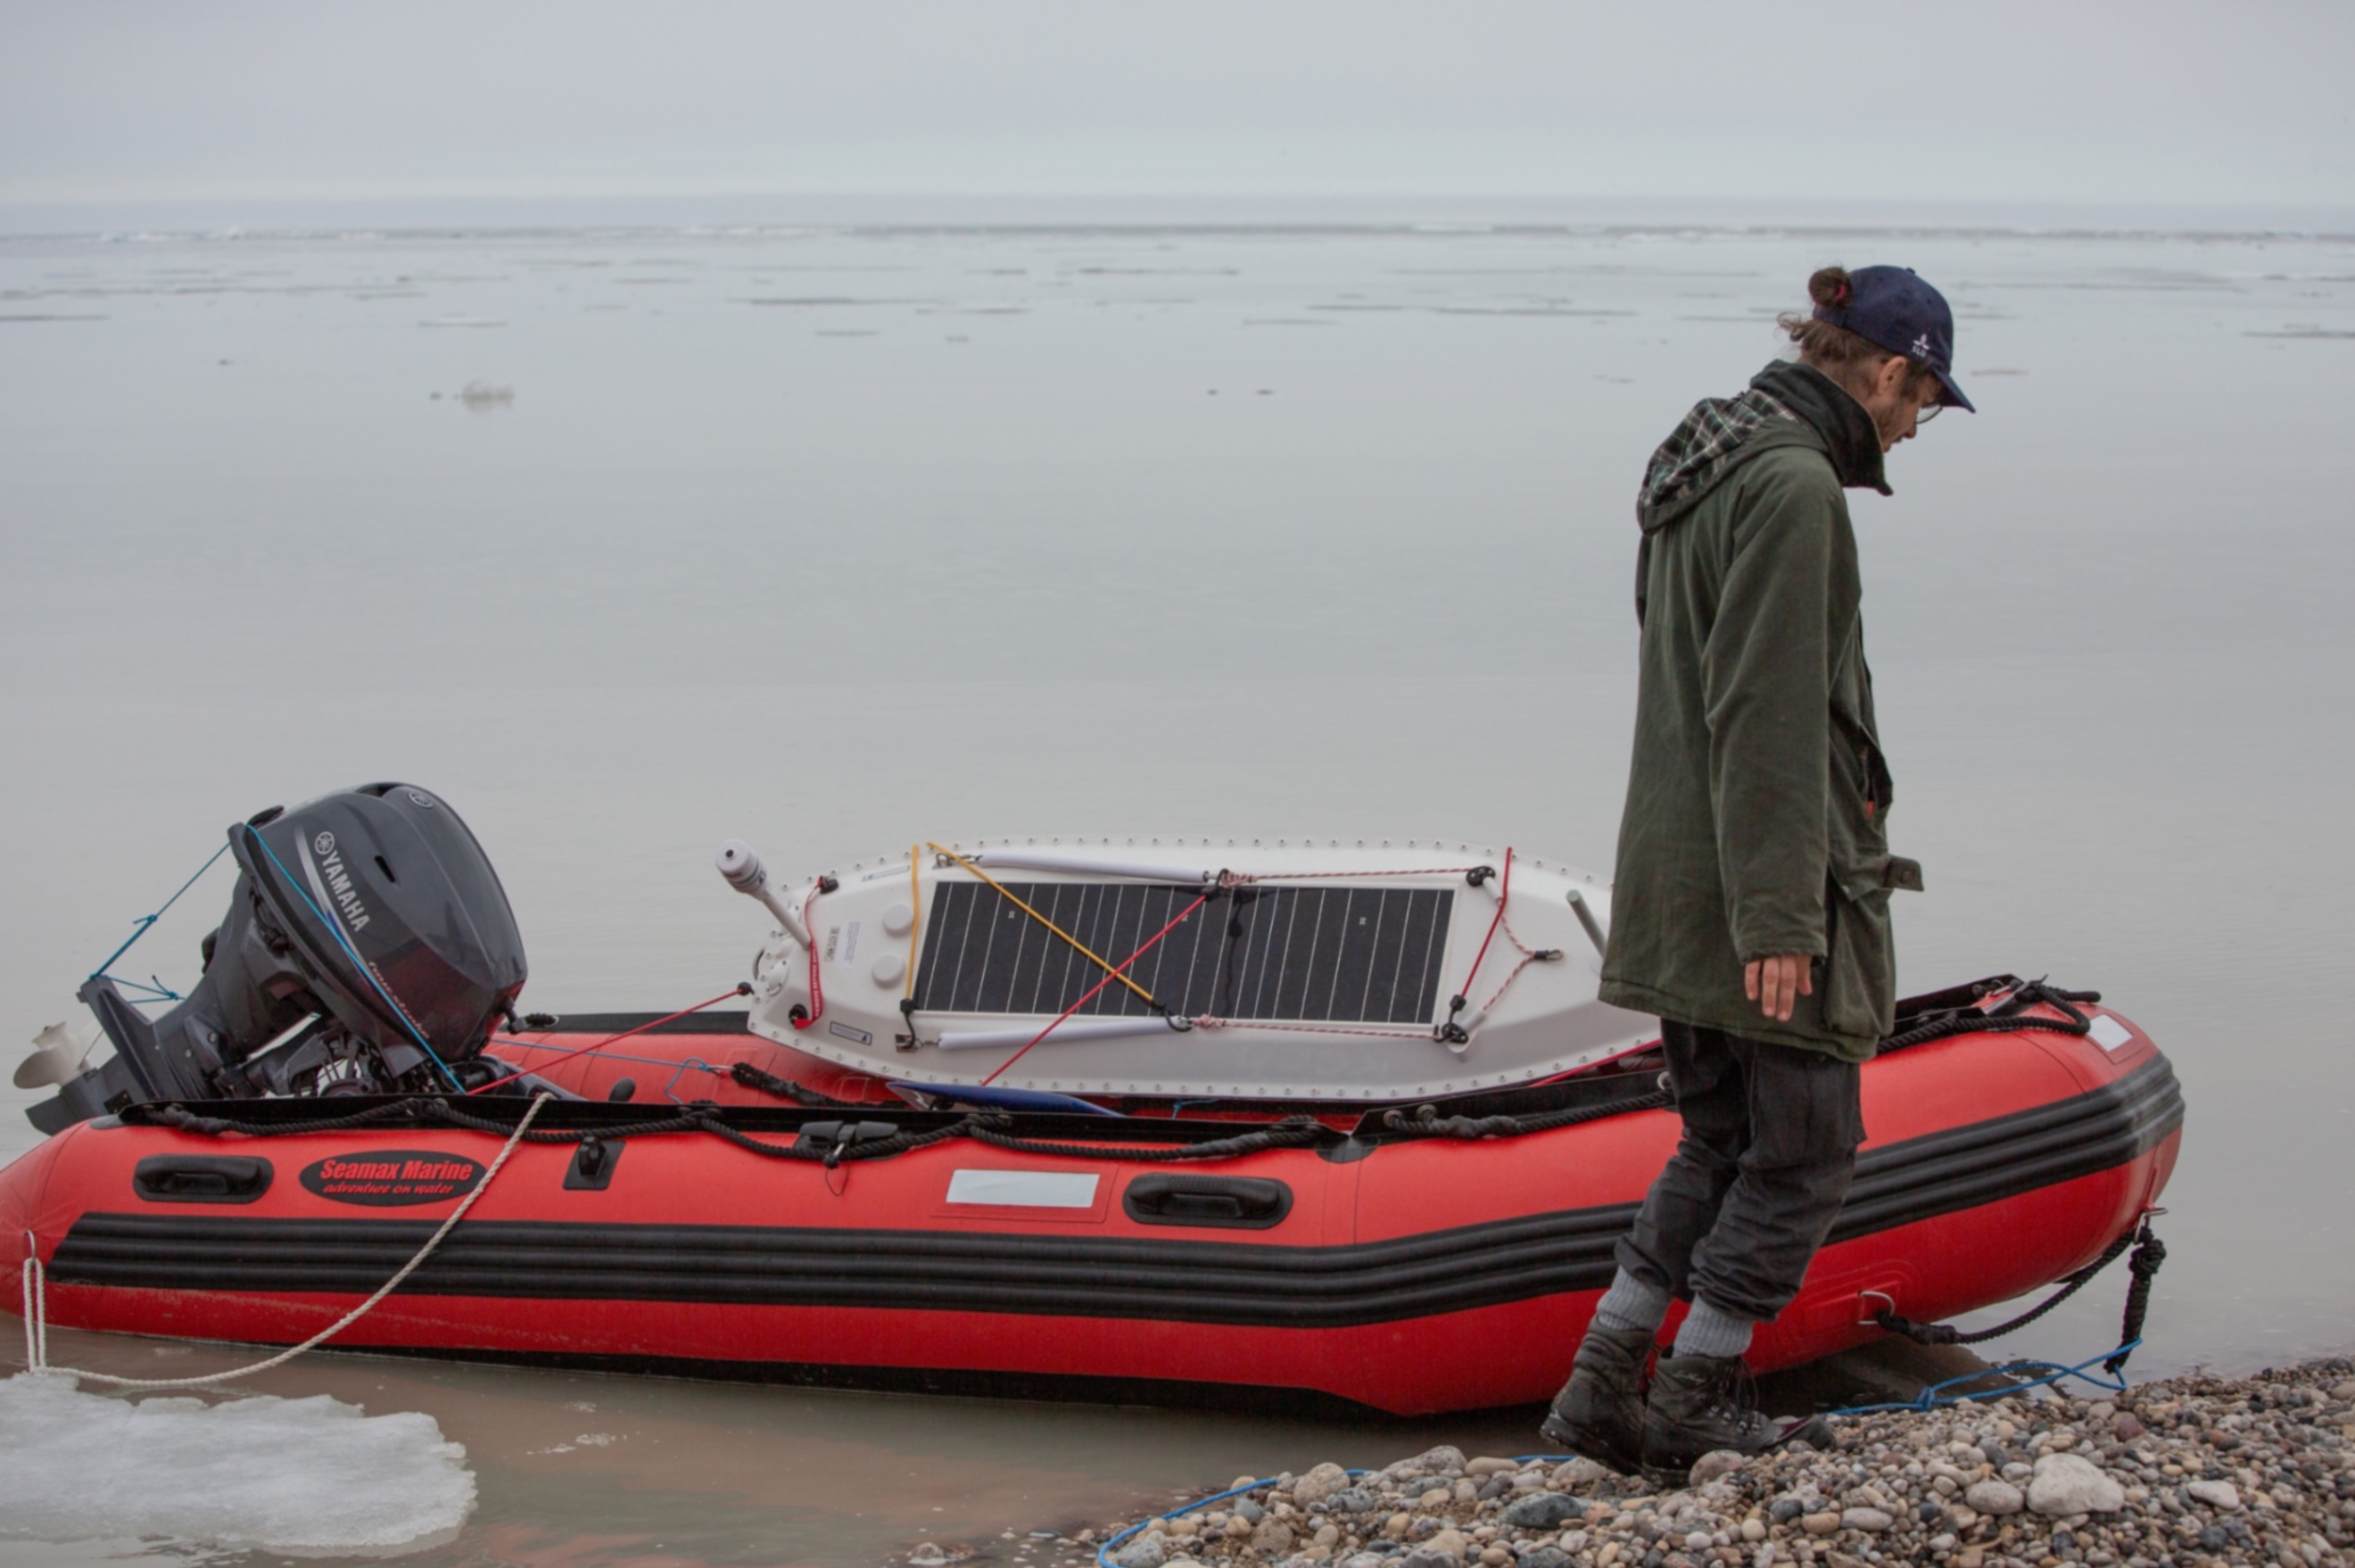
(1982, 101)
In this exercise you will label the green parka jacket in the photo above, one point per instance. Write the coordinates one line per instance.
(1758, 801)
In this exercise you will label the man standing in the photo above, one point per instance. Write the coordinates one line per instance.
(1751, 909)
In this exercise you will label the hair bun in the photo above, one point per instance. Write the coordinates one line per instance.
(1830, 288)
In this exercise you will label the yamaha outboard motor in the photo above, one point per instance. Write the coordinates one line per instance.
(368, 949)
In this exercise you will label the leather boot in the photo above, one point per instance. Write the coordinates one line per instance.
(1700, 1404)
(1599, 1414)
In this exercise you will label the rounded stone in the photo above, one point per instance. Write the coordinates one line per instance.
(1147, 1550)
(2067, 1484)
(1820, 1523)
(1999, 1498)
(1710, 1466)
(1320, 1483)
(1869, 1519)
(2220, 1495)
(1573, 1474)
(1541, 1510)
(1273, 1537)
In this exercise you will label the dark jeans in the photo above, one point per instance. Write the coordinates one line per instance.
(1769, 1145)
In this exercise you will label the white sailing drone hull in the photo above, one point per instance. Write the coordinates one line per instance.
(1193, 967)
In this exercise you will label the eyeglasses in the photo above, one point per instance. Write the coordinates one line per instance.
(1924, 415)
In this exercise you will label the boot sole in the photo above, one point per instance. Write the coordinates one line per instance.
(1625, 1462)
(1814, 1431)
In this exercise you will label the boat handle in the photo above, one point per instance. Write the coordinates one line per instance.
(201, 1177)
(1233, 1202)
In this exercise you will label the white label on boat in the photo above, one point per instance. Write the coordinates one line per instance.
(2109, 1033)
(849, 944)
(1025, 1189)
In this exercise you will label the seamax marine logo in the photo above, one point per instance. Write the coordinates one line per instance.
(392, 1178)
(329, 876)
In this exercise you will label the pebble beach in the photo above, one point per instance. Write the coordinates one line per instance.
(2184, 1472)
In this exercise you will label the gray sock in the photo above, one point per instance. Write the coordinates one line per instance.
(1631, 1304)
(1709, 1332)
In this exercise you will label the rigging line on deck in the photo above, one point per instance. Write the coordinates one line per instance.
(741, 988)
(1118, 973)
(1448, 1031)
(1143, 995)
(915, 922)
(36, 1295)
(1247, 877)
(817, 989)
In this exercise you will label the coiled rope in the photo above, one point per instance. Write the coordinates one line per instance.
(2005, 1017)
(36, 1295)
(1426, 1122)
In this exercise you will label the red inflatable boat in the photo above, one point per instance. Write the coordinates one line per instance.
(1407, 1263)
(1347, 1122)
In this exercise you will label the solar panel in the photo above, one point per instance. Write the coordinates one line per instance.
(1305, 955)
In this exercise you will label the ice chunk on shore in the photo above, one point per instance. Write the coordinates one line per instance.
(303, 1477)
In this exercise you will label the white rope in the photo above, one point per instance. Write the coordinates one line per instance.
(37, 1298)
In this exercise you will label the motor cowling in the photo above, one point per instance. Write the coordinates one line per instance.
(367, 922)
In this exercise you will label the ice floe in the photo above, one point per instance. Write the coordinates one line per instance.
(301, 1476)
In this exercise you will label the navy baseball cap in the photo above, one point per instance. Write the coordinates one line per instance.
(1891, 308)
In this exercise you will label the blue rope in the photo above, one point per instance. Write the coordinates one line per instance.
(1933, 1398)
(359, 962)
(1111, 1541)
(157, 991)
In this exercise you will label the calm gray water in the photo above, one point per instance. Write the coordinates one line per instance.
(833, 540)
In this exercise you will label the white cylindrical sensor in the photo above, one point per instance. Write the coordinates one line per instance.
(742, 867)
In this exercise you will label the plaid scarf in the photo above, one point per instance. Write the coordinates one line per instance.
(1723, 431)
(1688, 463)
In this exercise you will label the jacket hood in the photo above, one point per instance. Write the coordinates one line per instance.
(1786, 404)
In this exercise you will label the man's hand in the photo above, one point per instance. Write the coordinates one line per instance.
(1777, 984)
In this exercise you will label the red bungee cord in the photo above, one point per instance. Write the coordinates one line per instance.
(1504, 891)
(740, 990)
(1109, 975)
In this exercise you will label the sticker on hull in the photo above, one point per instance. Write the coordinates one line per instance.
(392, 1178)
